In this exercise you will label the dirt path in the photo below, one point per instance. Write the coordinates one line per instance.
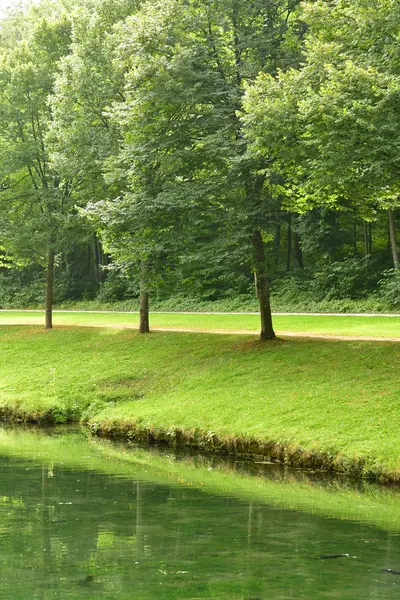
(289, 334)
(284, 334)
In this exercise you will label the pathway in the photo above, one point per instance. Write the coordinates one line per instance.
(284, 334)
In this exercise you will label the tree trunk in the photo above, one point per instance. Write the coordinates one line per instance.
(370, 237)
(388, 237)
(255, 285)
(355, 239)
(49, 288)
(277, 244)
(68, 274)
(298, 250)
(366, 241)
(144, 310)
(393, 241)
(267, 331)
(289, 242)
(99, 260)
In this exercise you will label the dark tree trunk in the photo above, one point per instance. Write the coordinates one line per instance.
(277, 244)
(370, 237)
(49, 288)
(298, 250)
(68, 273)
(144, 326)
(355, 239)
(366, 241)
(289, 242)
(267, 331)
(99, 260)
(89, 257)
(393, 240)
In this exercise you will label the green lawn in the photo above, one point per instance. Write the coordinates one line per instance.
(341, 398)
(331, 325)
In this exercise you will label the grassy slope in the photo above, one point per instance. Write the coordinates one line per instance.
(337, 397)
(378, 506)
(357, 326)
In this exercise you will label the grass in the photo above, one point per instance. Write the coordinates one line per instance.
(376, 326)
(338, 398)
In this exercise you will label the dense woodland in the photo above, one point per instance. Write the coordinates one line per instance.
(194, 151)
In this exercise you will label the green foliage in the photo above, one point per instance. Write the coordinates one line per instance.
(176, 129)
(349, 278)
(38, 215)
(389, 288)
(117, 288)
(192, 197)
(18, 289)
(332, 125)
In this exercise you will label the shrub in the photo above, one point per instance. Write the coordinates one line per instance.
(349, 279)
(389, 288)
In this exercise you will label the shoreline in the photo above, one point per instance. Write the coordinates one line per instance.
(309, 491)
(244, 447)
(210, 443)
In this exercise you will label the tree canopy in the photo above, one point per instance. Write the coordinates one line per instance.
(178, 145)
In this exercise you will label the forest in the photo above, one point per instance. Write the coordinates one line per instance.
(193, 154)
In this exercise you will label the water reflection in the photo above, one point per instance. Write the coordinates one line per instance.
(80, 533)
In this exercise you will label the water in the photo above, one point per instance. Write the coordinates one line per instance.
(79, 521)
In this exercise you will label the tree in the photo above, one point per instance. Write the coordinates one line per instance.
(84, 137)
(332, 126)
(183, 154)
(36, 212)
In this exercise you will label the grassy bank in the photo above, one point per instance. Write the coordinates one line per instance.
(305, 401)
(377, 326)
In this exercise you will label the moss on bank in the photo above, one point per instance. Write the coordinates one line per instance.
(332, 405)
(251, 448)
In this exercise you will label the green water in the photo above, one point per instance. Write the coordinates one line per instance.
(78, 522)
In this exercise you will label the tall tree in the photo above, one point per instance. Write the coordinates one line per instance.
(183, 154)
(333, 125)
(36, 212)
(84, 136)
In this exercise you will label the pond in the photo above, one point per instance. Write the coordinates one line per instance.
(86, 519)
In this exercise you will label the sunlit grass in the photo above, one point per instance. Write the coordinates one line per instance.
(328, 325)
(341, 398)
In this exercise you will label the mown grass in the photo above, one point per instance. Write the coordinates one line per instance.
(339, 398)
(324, 325)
